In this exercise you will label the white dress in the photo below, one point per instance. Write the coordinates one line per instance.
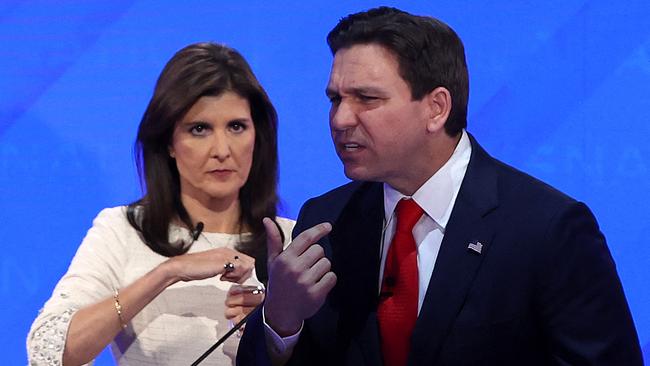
(174, 329)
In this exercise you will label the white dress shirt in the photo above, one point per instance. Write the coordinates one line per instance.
(436, 197)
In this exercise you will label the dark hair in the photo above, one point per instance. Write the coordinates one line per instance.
(430, 54)
(202, 69)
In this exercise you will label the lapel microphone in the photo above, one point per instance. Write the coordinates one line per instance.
(197, 230)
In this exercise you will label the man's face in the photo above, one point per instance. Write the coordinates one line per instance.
(378, 131)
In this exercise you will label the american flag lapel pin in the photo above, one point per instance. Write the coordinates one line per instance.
(476, 246)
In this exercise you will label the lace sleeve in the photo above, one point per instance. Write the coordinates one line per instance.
(47, 339)
(91, 277)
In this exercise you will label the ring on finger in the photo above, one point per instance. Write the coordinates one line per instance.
(259, 290)
(229, 267)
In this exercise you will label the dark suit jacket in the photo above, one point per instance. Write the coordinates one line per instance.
(543, 291)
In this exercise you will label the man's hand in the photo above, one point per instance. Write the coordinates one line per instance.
(299, 278)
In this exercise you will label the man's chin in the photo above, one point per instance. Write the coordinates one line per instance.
(356, 173)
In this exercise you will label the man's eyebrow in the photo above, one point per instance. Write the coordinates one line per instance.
(367, 90)
(357, 91)
(330, 92)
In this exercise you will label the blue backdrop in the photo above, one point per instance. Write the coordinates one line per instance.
(559, 89)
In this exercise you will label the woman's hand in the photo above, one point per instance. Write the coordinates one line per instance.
(233, 266)
(241, 300)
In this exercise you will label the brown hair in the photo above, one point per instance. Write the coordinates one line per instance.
(202, 69)
(429, 52)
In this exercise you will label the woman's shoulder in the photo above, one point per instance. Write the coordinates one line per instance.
(112, 213)
(287, 227)
(285, 223)
(113, 217)
(114, 222)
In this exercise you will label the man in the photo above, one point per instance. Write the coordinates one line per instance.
(438, 254)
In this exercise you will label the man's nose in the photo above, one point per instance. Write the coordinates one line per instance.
(342, 116)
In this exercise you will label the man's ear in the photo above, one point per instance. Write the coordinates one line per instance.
(172, 154)
(439, 105)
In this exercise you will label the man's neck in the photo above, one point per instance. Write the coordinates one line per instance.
(438, 153)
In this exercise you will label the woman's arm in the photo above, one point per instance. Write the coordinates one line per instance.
(80, 317)
(95, 326)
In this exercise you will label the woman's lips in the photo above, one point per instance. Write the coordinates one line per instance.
(221, 173)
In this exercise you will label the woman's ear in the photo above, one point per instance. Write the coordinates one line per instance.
(439, 107)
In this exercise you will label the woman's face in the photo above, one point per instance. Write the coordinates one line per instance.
(213, 147)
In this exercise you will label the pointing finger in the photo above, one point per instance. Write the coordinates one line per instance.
(309, 237)
(273, 239)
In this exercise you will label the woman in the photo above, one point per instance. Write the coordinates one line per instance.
(155, 279)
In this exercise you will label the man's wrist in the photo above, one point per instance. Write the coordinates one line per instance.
(284, 328)
(280, 348)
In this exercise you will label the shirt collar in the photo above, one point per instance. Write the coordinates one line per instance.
(437, 195)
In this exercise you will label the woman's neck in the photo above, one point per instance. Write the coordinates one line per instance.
(217, 215)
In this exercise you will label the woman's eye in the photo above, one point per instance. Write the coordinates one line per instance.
(199, 129)
(237, 127)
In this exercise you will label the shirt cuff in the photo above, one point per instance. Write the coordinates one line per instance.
(280, 348)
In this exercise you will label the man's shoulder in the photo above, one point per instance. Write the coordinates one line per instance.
(515, 184)
(342, 192)
(520, 195)
(511, 182)
(330, 204)
(512, 189)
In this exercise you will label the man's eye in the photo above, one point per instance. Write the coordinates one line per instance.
(367, 98)
(335, 99)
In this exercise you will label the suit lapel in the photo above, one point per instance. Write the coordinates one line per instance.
(456, 265)
(357, 234)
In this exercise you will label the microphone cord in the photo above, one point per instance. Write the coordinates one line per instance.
(225, 336)
(195, 235)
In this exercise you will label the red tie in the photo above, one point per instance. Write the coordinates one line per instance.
(398, 301)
